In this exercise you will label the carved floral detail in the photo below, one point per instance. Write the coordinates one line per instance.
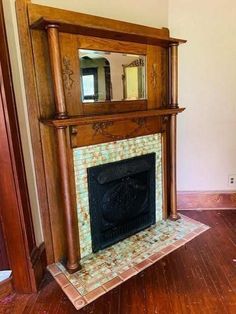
(154, 75)
(140, 121)
(102, 129)
(67, 74)
(136, 63)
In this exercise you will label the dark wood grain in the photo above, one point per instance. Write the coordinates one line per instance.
(197, 278)
(4, 262)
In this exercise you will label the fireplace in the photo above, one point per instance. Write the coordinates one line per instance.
(121, 199)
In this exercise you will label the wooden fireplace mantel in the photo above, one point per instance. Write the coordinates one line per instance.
(60, 121)
(83, 120)
(89, 25)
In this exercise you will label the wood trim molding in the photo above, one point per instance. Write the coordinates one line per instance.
(15, 209)
(206, 200)
(80, 23)
(34, 113)
(83, 120)
(39, 262)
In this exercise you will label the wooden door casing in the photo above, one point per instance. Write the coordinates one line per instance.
(25, 258)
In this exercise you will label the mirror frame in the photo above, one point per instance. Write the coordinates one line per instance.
(156, 74)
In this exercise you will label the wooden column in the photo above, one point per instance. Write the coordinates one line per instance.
(68, 195)
(173, 103)
(173, 76)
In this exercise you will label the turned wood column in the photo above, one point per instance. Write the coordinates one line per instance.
(173, 103)
(173, 76)
(68, 196)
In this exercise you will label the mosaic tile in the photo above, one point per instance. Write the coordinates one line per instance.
(95, 155)
(128, 257)
(110, 267)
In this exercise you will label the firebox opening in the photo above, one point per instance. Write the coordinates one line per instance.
(121, 199)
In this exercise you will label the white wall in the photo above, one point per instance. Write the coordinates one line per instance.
(19, 89)
(207, 79)
(151, 13)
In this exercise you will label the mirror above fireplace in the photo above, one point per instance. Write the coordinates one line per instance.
(111, 76)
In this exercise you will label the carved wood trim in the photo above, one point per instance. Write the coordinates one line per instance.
(106, 131)
(102, 128)
(154, 75)
(67, 75)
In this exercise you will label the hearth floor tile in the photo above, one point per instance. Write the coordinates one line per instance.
(104, 270)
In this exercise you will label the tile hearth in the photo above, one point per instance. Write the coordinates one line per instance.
(110, 267)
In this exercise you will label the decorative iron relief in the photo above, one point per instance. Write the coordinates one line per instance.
(102, 129)
(67, 75)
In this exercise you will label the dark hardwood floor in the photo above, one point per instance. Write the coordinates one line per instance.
(197, 278)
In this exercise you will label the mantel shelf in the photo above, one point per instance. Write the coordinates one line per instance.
(80, 23)
(83, 120)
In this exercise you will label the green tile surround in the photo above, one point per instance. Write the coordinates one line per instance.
(95, 155)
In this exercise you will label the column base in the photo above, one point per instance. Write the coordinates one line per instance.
(73, 268)
(174, 217)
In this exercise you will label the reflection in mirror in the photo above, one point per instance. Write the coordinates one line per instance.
(112, 76)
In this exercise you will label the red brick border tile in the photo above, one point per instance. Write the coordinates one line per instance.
(71, 292)
(168, 249)
(54, 269)
(156, 256)
(62, 280)
(79, 303)
(128, 273)
(179, 243)
(144, 264)
(112, 283)
(190, 236)
(93, 295)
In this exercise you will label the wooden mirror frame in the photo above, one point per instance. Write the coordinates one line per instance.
(50, 39)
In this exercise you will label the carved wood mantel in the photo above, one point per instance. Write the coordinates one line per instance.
(52, 38)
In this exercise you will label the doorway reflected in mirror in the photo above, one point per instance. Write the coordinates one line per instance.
(110, 76)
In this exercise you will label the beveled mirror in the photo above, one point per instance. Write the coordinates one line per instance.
(111, 76)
